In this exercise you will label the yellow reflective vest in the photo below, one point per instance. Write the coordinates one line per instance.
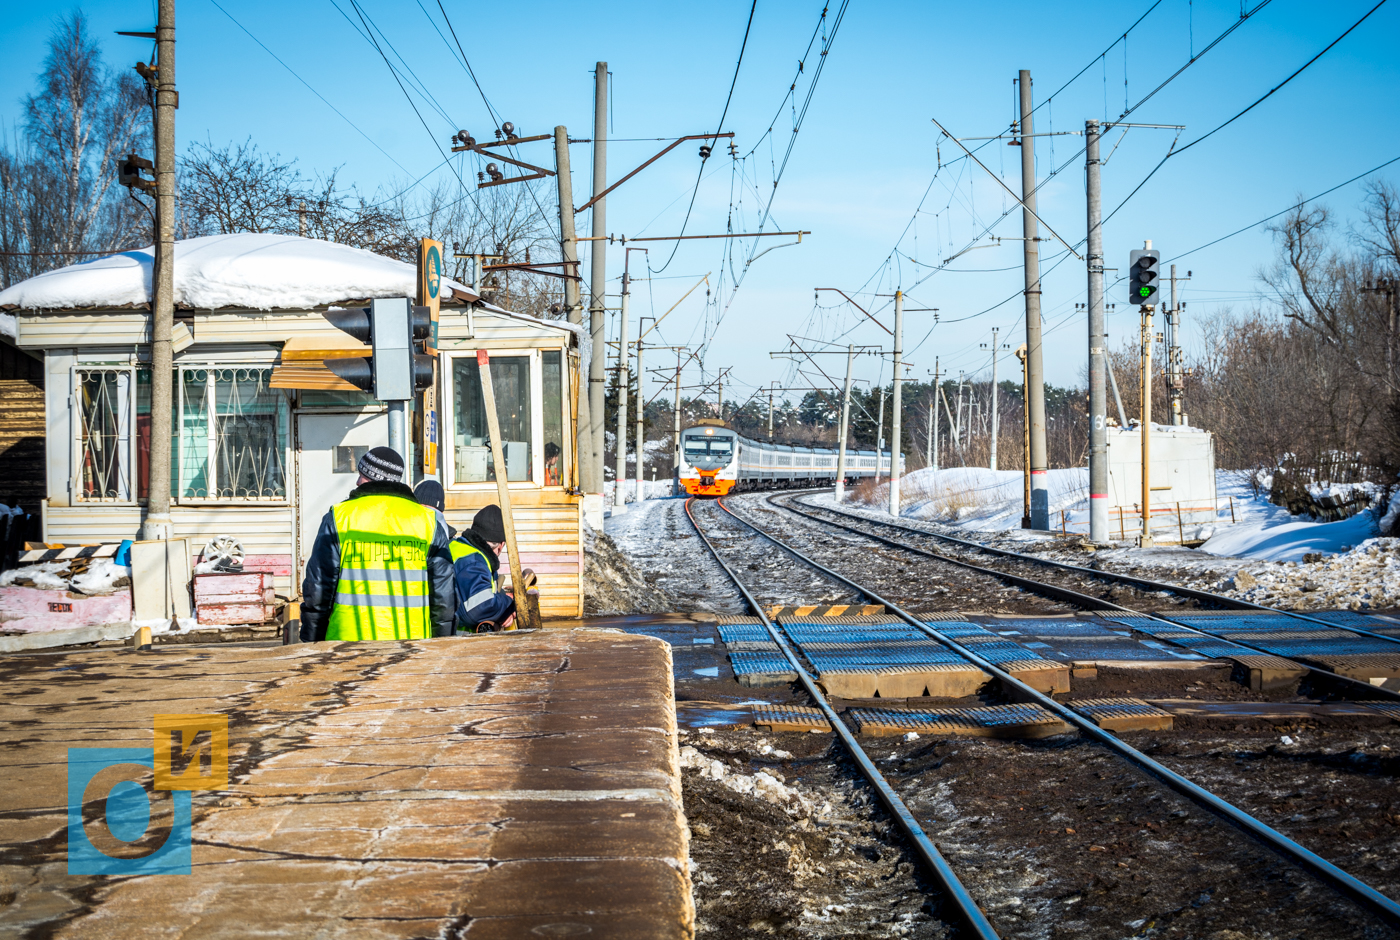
(382, 592)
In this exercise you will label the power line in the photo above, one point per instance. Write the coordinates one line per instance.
(394, 72)
(1244, 111)
(284, 65)
(725, 113)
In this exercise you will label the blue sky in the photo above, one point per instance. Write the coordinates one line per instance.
(866, 152)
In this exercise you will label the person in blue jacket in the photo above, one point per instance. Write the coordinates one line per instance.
(481, 604)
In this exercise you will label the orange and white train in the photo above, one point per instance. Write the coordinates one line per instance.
(716, 460)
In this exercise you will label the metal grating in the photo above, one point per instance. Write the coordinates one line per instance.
(881, 659)
(743, 632)
(786, 619)
(998, 721)
(1389, 709)
(790, 718)
(747, 663)
(1124, 714)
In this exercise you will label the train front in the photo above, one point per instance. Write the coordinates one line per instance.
(709, 460)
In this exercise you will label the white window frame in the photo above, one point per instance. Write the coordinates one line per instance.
(448, 410)
(126, 457)
(212, 441)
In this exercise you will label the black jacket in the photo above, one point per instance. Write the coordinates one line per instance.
(323, 572)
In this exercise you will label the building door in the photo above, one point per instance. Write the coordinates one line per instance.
(328, 447)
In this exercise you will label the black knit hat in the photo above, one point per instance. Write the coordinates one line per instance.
(488, 524)
(429, 493)
(383, 464)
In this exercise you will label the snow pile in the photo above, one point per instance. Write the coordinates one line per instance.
(1365, 578)
(47, 576)
(613, 585)
(249, 271)
(1278, 537)
(762, 784)
(979, 499)
(103, 576)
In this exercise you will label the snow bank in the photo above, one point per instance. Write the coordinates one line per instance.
(763, 784)
(979, 499)
(249, 271)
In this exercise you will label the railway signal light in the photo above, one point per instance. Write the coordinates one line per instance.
(394, 329)
(1144, 276)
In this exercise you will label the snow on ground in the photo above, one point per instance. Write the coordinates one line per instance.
(651, 489)
(1253, 549)
(1246, 524)
(253, 271)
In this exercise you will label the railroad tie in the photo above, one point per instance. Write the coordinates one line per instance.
(790, 718)
(1124, 714)
(994, 721)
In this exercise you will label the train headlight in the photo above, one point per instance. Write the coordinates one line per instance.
(710, 431)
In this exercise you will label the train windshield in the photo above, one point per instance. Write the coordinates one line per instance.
(709, 446)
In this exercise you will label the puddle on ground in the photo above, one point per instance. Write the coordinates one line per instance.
(709, 672)
(707, 715)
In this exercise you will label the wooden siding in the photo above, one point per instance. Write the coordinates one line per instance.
(261, 530)
(550, 540)
(22, 435)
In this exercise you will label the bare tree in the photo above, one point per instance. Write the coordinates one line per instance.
(59, 201)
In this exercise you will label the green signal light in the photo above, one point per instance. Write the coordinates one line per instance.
(1144, 292)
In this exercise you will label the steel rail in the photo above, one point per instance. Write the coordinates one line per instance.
(1232, 603)
(1094, 603)
(1358, 891)
(924, 847)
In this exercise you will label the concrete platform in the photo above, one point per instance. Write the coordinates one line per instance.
(494, 786)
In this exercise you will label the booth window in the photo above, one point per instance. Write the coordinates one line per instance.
(104, 425)
(555, 456)
(510, 380)
(232, 435)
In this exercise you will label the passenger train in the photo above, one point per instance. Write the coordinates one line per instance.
(716, 461)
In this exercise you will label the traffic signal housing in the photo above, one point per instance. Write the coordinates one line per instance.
(393, 329)
(1144, 276)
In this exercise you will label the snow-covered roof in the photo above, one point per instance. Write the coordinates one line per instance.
(247, 271)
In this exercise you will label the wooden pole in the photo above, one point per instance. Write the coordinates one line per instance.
(524, 604)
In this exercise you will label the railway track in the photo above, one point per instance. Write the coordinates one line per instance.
(1174, 593)
(1060, 595)
(1147, 593)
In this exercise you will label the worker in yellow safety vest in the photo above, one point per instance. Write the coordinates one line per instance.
(380, 568)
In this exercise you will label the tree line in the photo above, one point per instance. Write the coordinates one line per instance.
(60, 201)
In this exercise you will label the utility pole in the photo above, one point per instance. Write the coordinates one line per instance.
(992, 462)
(1098, 343)
(620, 477)
(1035, 373)
(1025, 440)
(770, 411)
(880, 436)
(1176, 374)
(641, 409)
(898, 398)
(598, 280)
(933, 416)
(676, 431)
(845, 426)
(1145, 421)
(573, 308)
(158, 524)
